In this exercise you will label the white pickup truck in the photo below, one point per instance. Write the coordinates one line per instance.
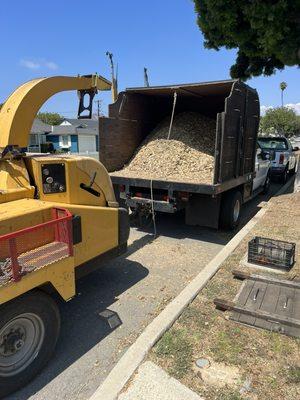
(282, 155)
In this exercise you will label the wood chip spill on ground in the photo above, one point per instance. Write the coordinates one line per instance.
(187, 156)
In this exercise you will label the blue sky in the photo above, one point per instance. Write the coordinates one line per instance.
(44, 38)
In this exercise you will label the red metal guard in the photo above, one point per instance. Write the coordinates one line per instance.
(32, 248)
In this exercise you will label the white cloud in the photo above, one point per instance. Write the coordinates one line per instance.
(263, 109)
(30, 64)
(51, 65)
(293, 106)
(38, 64)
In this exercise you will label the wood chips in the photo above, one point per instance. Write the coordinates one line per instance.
(188, 156)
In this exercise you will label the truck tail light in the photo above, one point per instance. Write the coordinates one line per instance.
(281, 158)
(122, 188)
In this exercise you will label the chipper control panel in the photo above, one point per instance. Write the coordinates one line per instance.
(54, 178)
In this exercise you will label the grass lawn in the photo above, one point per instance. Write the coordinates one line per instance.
(245, 363)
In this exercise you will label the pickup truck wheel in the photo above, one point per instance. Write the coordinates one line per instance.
(292, 171)
(29, 328)
(231, 210)
(284, 176)
(267, 185)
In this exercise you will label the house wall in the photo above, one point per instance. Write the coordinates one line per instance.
(74, 143)
(55, 140)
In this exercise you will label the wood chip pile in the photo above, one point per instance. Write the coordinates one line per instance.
(188, 156)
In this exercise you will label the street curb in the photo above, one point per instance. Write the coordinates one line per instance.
(134, 356)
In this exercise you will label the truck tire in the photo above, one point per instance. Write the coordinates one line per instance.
(231, 210)
(267, 185)
(292, 171)
(29, 329)
(284, 176)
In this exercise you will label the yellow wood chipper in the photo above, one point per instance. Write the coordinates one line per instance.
(58, 221)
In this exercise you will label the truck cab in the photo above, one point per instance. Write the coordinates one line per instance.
(282, 155)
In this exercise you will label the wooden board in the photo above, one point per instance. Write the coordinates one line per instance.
(273, 298)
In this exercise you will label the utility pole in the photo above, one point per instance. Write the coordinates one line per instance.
(98, 107)
(114, 89)
(146, 79)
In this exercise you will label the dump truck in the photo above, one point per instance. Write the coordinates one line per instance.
(237, 174)
(59, 220)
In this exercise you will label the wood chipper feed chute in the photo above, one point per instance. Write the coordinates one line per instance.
(35, 247)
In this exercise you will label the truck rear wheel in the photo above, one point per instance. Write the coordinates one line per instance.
(29, 328)
(231, 210)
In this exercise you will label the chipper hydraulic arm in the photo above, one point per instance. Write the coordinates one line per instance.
(58, 220)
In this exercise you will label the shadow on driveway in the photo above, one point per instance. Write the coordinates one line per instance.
(81, 326)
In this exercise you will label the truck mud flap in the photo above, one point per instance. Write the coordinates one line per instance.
(124, 226)
(203, 210)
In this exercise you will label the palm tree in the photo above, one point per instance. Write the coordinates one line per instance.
(283, 86)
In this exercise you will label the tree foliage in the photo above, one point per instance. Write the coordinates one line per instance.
(280, 121)
(266, 33)
(50, 118)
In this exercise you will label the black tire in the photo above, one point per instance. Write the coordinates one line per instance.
(284, 176)
(292, 171)
(35, 318)
(229, 215)
(267, 185)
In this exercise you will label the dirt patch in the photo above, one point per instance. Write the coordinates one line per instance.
(268, 363)
(218, 374)
(187, 156)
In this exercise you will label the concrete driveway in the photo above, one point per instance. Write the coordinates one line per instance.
(115, 303)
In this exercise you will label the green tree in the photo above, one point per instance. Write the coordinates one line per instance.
(283, 86)
(265, 32)
(50, 118)
(280, 121)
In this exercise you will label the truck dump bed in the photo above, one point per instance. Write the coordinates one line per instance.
(232, 104)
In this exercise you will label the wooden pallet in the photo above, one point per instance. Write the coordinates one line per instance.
(267, 303)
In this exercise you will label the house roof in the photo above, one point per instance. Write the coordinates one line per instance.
(63, 130)
(39, 126)
(82, 129)
(83, 123)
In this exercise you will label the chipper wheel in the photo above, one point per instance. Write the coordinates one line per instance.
(29, 328)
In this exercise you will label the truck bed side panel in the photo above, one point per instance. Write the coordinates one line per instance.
(232, 122)
(250, 132)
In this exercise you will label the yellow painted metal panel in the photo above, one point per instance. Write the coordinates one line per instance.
(78, 170)
(100, 231)
(14, 181)
(20, 214)
(60, 275)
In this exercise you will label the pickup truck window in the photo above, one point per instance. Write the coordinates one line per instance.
(273, 143)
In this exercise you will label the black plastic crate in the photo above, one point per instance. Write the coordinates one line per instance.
(271, 252)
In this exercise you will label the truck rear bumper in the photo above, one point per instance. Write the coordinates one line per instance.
(276, 171)
(161, 206)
